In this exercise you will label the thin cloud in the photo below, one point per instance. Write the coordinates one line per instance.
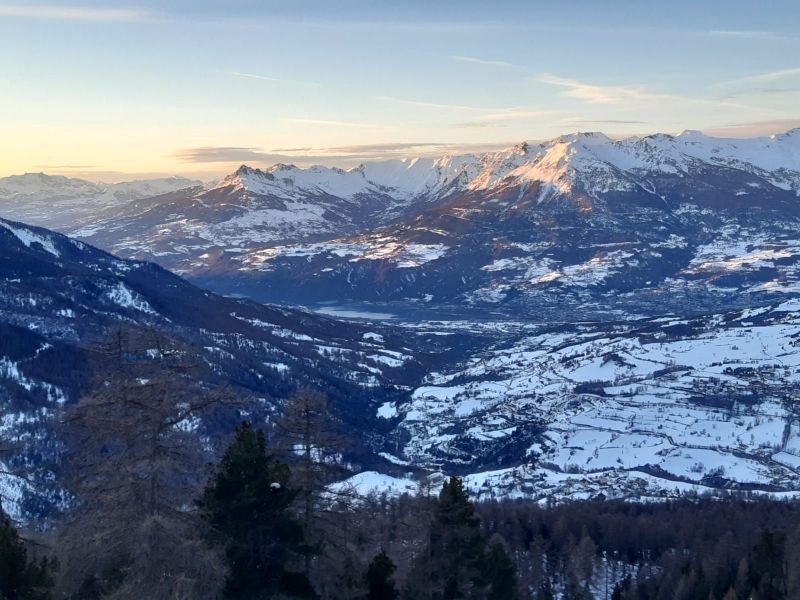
(293, 149)
(237, 154)
(66, 167)
(513, 115)
(329, 123)
(482, 61)
(744, 92)
(749, 34)
(406, 27)
(628, 95)
(70, 13)
(491, 113)
(383, 148)
(425, 104)
(778, 75)
(498, 119)
(603, 121)
(595, 94)
(477, 124)
(272, 79)
(756, 128)
(213, 154)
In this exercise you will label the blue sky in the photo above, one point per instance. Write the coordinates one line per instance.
(107, 90)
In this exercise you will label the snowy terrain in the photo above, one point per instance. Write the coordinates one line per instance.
(611, 318)
(253, 209)
(58, 296)
(628, 409)
(60, 202)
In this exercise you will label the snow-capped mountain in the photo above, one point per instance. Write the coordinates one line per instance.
(579, 215)
(653, 284)
(581, 221)
(254, 209)
(57, 201)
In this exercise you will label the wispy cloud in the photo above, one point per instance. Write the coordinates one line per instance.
(70, 13)
(385, 148)
(478, 124)
(214, 154)
(502, 117)
(482, 113)
(756, 128)
(778, 75)
(750, 34)
(482, 61)
(65, 167)
(602, 121)
(332, 123)
(425, 104)
(595, 94)
(629, 95)
(273, 79)
(513, 115)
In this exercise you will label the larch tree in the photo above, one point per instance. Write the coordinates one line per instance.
(132, 466)
(312, 438)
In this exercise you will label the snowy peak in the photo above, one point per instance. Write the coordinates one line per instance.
(589, 138)
(43, 187)
(31, 185)
(590, 159)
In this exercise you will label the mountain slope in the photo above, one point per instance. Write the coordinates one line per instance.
(58, 295)
(685, 222)
(251, 209)
(617, 408)
(60, 202)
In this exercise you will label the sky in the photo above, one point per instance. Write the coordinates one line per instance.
(110, 91)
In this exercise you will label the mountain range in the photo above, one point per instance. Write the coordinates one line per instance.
(574, 222)
(585, 317)
(58, 201)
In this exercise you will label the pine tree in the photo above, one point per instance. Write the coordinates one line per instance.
(380, 584)
(457, 545)
(769, 566)
(501, 574)
(248, 505)
(20, 578)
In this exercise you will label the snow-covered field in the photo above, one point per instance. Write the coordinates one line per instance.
(634, 409)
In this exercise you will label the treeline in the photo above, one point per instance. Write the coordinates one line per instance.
(151, 513)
